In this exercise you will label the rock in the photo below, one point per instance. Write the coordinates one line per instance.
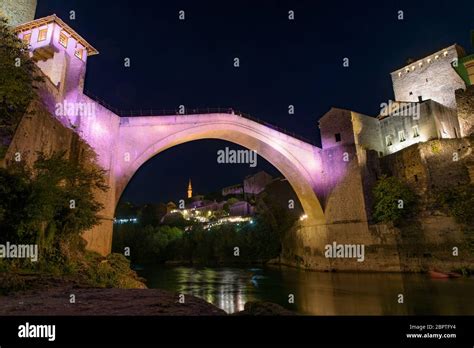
(264, 308)
(55, 300)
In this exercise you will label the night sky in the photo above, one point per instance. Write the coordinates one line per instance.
(282, 62)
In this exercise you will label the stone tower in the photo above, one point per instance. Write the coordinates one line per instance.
(432, 77)
(190, 189)
(18, 11)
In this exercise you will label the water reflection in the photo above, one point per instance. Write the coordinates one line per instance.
(318, 293)
(224, 287)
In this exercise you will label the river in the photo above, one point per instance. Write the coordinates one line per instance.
(318, 293)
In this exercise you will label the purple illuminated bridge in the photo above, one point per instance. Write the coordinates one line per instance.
(124, 144)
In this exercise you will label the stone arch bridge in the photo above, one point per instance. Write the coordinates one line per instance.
(329, 189)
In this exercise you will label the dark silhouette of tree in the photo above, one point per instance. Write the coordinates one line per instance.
(18, 74)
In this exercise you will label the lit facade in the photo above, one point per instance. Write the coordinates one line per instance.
(424, 109)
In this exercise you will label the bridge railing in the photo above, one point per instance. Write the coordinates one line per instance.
(194, 111)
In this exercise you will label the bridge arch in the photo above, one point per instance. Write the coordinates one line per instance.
(145, 137)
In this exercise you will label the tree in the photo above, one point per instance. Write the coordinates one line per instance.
(393, 200)
(51, 203)
(18, 72)
(460, 202)
(126, 210)
(151, 214)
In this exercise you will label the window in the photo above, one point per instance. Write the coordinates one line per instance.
(420, 98)
(388, 140)
(42, 34)
(78, 53)
(338, 137)
(411, 93)
(401, 136)
(63, 39)
(455, 132)
(27, 38)
(416, 132)
(416, 178)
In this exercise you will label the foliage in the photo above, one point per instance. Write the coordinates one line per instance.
(126, 210)
(459, 200)
(18, 73)
(258, 241)
(177, 239)
(151, 214)
(275, 214)
(176, 220)
(110, 272)
(146, 244)
(393, 200)
(50, 204)
(435, 147)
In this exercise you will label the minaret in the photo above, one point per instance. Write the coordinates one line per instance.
(190, 189)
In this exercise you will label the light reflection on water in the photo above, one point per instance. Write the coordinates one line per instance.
(318, 293)
(224, 287)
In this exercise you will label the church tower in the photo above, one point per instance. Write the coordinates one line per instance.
(190, 189)
(18, 11)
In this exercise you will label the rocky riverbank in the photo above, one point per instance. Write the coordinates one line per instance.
(54, 296)
(68, 298)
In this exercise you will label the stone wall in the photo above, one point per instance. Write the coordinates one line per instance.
(432, 121)
(425, 246)
(18, 11)
(39, 131)
(432, 77)
(336, 121)
(304, 247)
(339, 189)
(367, 133)
(433, 165)
(465, 102)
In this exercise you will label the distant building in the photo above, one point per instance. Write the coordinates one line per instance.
(170, 206)
(241, 208)
(190, 189)
(254, 184)
(233, 190)
(196, 203)
(211, 206)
